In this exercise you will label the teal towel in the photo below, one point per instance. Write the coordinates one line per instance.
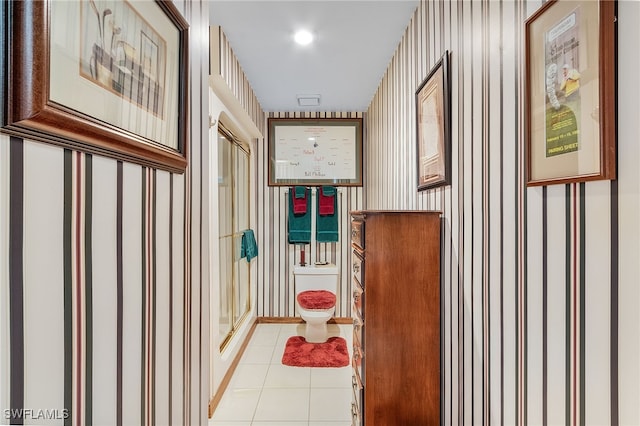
(299, 224)
(300, 191)
(328, 191)
(327, 225)
(249, 247)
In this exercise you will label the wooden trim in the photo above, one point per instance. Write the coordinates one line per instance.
(342, 320)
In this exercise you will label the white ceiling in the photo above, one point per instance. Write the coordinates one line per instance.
(354, 43)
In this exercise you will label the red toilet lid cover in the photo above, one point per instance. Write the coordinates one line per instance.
(316, 299)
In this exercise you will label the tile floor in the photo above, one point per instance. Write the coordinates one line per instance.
(263, 392)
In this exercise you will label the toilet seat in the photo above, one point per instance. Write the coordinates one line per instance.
(316, 300)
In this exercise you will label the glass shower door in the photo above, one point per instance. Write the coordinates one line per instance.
(233, 198)
(225, 202)
(241, 203)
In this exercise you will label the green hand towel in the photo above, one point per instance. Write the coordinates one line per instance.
(327, 225)
(249, 245)
(300, 191)
(299, 224)
(329, 190)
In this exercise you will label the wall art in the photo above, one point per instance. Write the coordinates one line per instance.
(570, 92)
(307, 151)
(433, 127)
(105, 77)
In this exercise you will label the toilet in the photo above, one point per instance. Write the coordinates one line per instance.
(316, 288)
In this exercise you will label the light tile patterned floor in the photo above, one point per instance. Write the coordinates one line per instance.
(263, 392)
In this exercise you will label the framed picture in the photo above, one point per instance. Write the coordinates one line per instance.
(105, 77)
(570, 99)
(433, 127)
(324, 151)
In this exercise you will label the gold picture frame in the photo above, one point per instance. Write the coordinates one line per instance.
(108, 77)
(570, 99)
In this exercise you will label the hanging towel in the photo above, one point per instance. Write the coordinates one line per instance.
(299, 224)
(327, 225)
(249, 247)
(326, 195)
(301, 191)
(299, 201)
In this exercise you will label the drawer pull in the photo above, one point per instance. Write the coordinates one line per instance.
(356, 268)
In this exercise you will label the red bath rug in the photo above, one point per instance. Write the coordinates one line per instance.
(299, 353)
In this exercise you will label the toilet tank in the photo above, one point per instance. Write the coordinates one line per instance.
(317, 277)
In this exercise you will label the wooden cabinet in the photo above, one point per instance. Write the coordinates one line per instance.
(396, 318)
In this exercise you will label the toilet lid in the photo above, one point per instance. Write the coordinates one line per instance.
(316, 299)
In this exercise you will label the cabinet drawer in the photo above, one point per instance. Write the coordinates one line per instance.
(358, 301)
(357, 233)
(355, 416)
(358, 391)
(358, 334)
(357, 267)
(357, 361)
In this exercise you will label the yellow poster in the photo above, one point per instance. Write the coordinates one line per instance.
(562, 124)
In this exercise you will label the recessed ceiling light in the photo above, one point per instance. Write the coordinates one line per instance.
(303, 37)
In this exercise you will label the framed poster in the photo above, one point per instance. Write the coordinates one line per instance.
(433, 127)
(324, 151)
(106, 77)
(570, 100)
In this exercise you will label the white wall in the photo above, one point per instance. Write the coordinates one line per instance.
(627, 321)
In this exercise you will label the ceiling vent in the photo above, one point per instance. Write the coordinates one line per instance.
(308, 100)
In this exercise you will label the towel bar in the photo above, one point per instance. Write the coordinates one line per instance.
(312, 244)
(313, 190)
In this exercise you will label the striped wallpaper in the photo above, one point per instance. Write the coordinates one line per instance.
(538, 320)
(103, 313)
(231, 72)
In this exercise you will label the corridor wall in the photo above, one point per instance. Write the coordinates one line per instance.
(103, 306)
(540, 289)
